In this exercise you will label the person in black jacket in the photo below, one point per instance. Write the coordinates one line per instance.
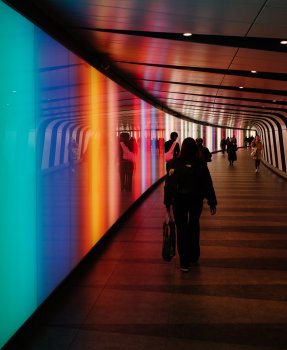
(231, 150)
(188, 182)
(169, 144)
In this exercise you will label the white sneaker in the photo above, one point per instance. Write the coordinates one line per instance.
(184, 269)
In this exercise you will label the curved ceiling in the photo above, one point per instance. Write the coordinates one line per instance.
(232, 70)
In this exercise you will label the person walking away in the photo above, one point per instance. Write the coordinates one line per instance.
(259, 147)
(223, 145)
(171, 149)
(232, 149)
(188, 183)
(227, 143)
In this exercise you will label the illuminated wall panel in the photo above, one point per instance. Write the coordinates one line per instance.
(17, 173)
(207, 138)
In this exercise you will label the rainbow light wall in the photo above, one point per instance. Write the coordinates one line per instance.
(61, 183)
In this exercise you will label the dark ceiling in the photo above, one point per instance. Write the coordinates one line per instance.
(232, 70)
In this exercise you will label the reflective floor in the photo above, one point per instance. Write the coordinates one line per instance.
(127, 297)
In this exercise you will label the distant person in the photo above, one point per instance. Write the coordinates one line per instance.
(231, 150)
(245, 141)
(204, 153)
(73, 150)
(171, 148)
(256, 143)
(223, 144)
(227, 142)
(127, 161)
(188, 182)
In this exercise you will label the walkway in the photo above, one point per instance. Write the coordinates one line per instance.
(235, 299)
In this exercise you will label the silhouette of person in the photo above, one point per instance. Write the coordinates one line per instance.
(188, 182)
(223, 143)
(245, 141)
(127, 161)
(227, 142)
(171, 148)
(231, 150)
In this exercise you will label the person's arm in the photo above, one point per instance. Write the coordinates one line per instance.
(169, 188)
(208, 155)
(167, 194)
(209, 191)
(176, 149)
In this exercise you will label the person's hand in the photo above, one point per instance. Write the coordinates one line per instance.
(212, 210)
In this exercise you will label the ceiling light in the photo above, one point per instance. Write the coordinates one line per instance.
(254, 71)
(187, 34)
(283, 42)
(241, 87)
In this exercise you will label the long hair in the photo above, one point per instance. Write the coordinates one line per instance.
(188, 150)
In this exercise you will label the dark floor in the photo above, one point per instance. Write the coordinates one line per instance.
(235, 299)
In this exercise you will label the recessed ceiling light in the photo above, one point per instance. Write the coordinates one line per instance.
(283, 42)
(241, 87)
(254, 71)
(274, 101)
(187, 34)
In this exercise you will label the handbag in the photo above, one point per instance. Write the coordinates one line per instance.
(253, 151)
(168, 156)
(168, 238)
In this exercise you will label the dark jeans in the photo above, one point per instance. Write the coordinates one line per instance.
(187, 215)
